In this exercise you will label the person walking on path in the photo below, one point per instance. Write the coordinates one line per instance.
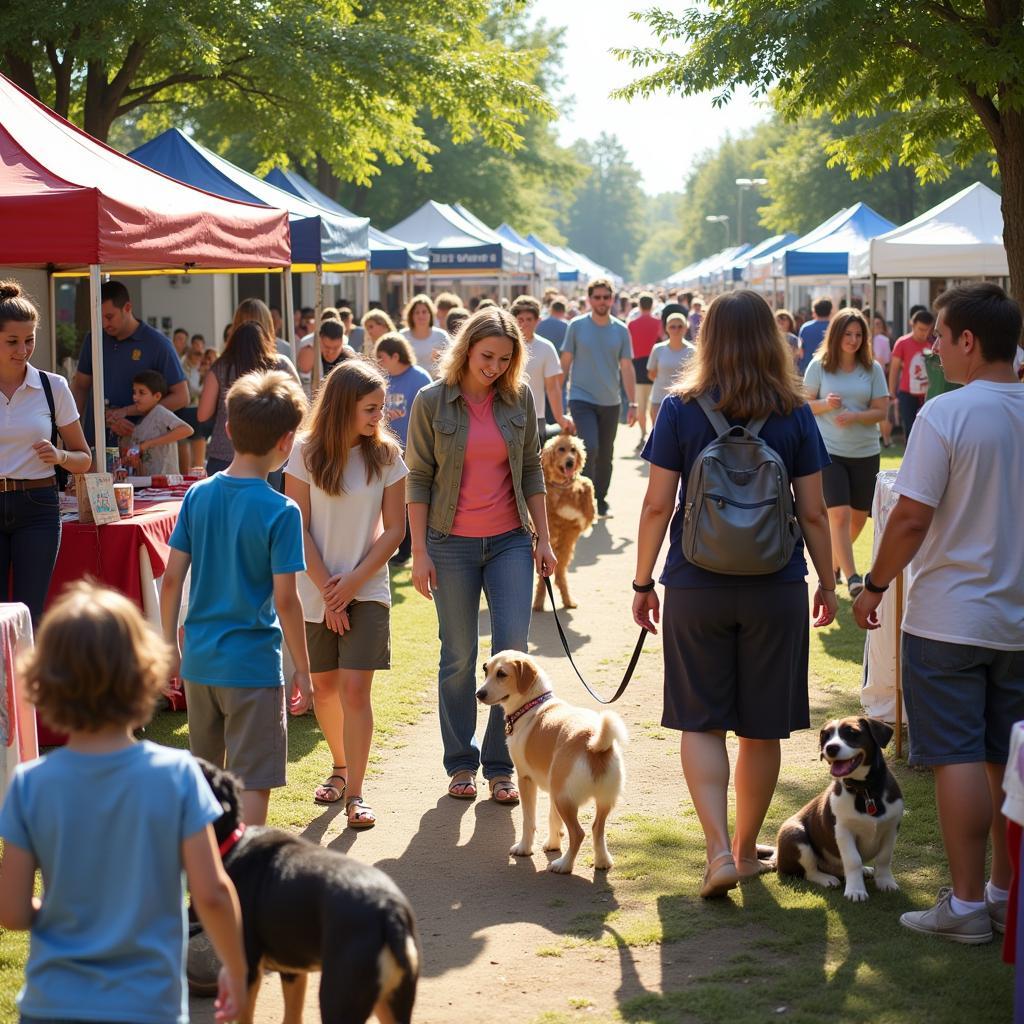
(543, 369)
(957, 525)
(34, 419)
(476, 496)
(735, 647)
(908, 374)
(849, 396)
(347, 476)
(666, 360)
(428, 341)
(644, 333)
(596, 352)
(812, 332)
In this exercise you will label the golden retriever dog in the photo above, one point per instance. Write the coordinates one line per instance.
(570, 502)
(573, 753)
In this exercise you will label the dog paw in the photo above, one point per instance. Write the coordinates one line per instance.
(539, 607)
(521, 850)
(570, 604)
(884, 882)
(553, 845)
(561, 866)
(856, 895)
(869, 871)
(603, 863)
(828, 881)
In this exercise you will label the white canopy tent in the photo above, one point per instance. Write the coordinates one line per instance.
(961, 237)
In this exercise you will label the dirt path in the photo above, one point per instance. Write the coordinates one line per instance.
(482, 916)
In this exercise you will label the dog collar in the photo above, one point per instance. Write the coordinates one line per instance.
(229, 844)
(869, 801)
(511, 720)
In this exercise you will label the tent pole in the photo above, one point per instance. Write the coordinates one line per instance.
(98, 407)
(51, 288)
(874, 295)
(366, 290)
(288, 308)
(319, 303)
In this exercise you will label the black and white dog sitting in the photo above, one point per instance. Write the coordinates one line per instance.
(305, 908)
(852, 822)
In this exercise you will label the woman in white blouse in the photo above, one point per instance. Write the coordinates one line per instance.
(33, 416)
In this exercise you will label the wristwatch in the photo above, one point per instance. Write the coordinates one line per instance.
(633, 405)
(873, 588)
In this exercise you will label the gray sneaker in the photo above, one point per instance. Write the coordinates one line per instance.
(997, 913)
(971, 929)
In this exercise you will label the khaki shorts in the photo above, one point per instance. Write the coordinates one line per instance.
(241, 728)
(366, 647)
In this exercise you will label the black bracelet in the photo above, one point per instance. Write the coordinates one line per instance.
(643, 588)
(872, 587)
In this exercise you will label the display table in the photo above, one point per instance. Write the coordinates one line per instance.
(17, 715)
(130, 556)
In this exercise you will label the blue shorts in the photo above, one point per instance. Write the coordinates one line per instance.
(962, 701)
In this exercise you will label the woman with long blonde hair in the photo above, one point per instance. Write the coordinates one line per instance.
(735, 646)
(849, 396)
(257, 311)
(347, 476)
(476, 506)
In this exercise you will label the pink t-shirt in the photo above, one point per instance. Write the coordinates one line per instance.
(913, 374)
(487, 499)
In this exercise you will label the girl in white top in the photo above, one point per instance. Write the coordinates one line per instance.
(29, 503)
(347, 476)
(665, 360)
(428, 341)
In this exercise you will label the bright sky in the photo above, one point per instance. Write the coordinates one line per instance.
(649, 129)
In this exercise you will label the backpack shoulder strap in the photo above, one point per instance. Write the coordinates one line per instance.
(717, 420)
(754, 426)
(44, 380)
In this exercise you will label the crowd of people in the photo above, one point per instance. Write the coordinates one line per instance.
(424, 443)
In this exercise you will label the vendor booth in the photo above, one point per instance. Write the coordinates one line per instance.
(546, 267)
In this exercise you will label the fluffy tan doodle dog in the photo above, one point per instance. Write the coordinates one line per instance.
(570, 503)
(573, 753)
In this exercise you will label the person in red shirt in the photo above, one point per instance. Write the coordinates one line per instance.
(908, 376)
(644, 332)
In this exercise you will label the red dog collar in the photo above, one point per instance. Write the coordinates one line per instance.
(229, 844)
(511, 720)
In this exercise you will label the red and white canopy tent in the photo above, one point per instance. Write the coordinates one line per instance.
(70, 203)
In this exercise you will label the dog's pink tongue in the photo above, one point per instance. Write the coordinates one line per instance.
(841, 768)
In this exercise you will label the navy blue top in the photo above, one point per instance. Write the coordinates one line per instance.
(681, 433)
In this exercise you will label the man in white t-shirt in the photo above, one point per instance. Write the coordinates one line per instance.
(542, 365)
(957, 524)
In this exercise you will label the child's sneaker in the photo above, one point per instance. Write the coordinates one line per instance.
(972, 929)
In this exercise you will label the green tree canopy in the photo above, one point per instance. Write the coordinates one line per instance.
(945, 70)
(348, 79)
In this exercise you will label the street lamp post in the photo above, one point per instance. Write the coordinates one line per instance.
(720, 218)
(742, 185)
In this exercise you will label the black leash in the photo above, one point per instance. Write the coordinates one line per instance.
(565, 644)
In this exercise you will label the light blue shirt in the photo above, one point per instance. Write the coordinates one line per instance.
(596, 351)
(858, 389)
(241, 533)
(106, 831)
(553, 329)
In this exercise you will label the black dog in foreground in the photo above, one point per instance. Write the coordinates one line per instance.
(305, 908)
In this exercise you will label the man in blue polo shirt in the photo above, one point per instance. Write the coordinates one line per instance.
(812, 333)
(597, 352)
(129, 347)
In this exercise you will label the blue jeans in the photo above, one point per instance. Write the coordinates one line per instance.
(29, 539)
(909, 406)
(597, 426)
(501, 567)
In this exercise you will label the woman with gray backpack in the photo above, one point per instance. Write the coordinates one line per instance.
(736, 441)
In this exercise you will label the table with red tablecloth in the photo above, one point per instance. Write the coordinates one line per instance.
(111, 553)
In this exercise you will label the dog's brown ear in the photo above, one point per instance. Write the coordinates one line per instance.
(526, 674)
(880, 732)
(821, 741)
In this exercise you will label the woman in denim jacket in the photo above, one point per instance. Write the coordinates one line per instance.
(476, 505)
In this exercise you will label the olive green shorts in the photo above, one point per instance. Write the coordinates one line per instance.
(365, 647)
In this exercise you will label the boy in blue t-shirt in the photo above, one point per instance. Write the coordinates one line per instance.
(243, 541)
(114, 827)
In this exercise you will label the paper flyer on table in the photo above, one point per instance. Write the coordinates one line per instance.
(101, 497)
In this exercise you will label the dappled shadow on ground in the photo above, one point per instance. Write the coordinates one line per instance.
(601, 543)
(475, 886)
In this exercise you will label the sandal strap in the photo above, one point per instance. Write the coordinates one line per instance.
(363, 805)
(327, 782)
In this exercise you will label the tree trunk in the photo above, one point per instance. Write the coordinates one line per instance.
(1011, 168)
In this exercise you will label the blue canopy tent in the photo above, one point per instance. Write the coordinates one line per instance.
(321, 239)
(386, 252)
(734, 272)
(546, 266)
(568, 271)
(714, 272)
(822, 256)
(458, 247)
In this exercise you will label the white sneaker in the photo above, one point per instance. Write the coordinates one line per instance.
(996, 913)
(972, 929)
